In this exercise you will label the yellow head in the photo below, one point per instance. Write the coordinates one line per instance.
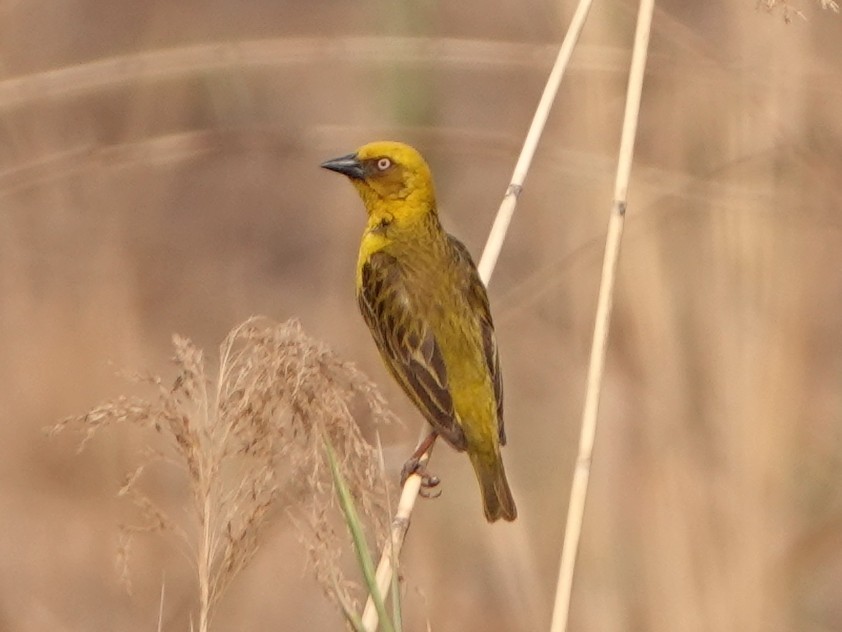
(392, 178)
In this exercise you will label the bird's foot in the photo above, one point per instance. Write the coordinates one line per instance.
(428, 481)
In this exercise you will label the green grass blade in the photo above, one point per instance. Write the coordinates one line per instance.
(346, 502)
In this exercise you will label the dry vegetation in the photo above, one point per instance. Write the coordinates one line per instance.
(158, 174)
(250, 434)
(788, 9)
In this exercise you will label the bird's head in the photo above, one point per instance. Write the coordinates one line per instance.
(392, 178)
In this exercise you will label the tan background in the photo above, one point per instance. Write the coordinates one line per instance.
(158, 174)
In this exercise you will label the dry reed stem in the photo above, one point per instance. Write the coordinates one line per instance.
(507, 208)
(596, 368)
(409, 493)
(246, 436)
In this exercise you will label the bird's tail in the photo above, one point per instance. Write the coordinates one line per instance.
(497, 498)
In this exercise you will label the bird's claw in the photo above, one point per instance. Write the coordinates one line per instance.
(428, 481)
(428, 491)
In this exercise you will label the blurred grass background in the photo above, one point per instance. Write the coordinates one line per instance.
(158, 174)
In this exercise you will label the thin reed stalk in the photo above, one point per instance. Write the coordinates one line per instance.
(409, 493)
(596, 368)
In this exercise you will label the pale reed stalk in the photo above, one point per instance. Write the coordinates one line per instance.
(581, 476)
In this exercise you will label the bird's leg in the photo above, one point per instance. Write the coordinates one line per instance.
(415, 466)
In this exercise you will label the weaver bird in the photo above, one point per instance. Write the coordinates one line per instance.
(421, 296)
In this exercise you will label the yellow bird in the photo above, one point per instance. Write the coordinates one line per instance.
(427, 309)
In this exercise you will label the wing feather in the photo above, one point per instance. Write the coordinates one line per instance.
(477, 297)
(407, 344)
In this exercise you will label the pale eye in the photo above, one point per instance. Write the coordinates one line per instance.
(383, 164)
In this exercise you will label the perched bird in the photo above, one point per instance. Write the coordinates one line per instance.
(427, 309)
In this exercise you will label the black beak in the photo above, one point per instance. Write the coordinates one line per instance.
(346, 165)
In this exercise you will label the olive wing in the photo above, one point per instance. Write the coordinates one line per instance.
(477, 297)
(407, 345)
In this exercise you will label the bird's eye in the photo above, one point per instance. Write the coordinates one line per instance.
(383, 164)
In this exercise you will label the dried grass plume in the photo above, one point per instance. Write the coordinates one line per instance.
(246, 435)
(789, 9)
